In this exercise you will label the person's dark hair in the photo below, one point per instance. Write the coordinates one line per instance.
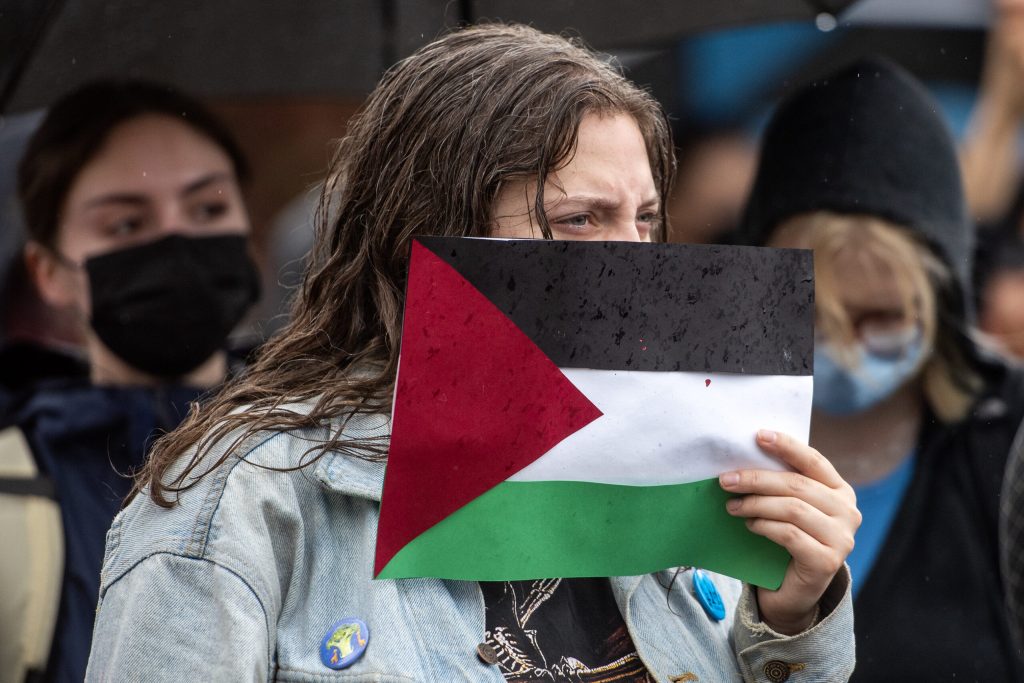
(428, 154)
(997, 252)
(77, 126)
(999, 248)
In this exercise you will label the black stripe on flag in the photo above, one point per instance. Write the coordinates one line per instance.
(661, 307)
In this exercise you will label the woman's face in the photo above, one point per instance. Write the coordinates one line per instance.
(868, 292)
(605, 192)
(871, 341)
(154, 176)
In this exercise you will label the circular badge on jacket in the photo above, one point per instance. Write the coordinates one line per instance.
(344, 643)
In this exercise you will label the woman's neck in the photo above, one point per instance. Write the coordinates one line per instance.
(867, 446)
(107, 369)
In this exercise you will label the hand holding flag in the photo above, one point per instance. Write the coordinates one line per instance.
(811, 512)
(565, 408)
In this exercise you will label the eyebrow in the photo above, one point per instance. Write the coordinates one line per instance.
(206, 180)
(136, 199)
(605, 203)
(117, 198)
(856, 309)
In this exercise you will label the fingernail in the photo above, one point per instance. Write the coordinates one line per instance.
(733, 504)
(729, 479)
(766, 435)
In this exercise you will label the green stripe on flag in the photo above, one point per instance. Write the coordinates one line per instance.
(548, 529)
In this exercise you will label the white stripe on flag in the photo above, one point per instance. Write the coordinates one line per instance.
(674, 427)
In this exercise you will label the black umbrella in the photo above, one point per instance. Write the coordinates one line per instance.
(610, 25)
(336, 47)
(224, 47)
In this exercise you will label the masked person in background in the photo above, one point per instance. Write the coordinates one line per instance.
(136, 223)
(860, 168)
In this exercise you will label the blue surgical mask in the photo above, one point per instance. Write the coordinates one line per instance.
(840, 390)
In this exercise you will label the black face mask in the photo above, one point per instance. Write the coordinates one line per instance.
(166, 306)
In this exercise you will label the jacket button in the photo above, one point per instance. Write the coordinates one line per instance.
(487, 654)
(776, 671)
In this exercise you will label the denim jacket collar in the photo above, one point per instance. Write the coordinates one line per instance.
(350, 475)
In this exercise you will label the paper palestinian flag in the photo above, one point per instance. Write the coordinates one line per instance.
(563, 408)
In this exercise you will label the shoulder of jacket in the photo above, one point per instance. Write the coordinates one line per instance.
(145, 527)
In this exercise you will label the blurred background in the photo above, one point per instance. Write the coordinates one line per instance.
(287, 76)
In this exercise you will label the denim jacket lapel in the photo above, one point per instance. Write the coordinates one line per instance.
(351, 475)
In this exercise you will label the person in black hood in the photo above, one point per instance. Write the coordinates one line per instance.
(137, 227)
(859, 167)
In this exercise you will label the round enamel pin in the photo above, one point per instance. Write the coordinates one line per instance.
(707, 595)
(344, 643)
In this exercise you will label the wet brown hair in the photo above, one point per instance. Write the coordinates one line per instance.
(428, 154)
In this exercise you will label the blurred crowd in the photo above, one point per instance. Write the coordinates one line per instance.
(131, 292)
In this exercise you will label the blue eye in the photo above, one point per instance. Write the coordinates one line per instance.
(578, 221)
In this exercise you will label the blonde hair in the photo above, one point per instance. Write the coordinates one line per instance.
(948, 382)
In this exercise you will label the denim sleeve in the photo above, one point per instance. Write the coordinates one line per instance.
(823, 653)
(174, 618)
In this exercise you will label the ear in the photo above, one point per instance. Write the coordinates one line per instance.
(52, 279)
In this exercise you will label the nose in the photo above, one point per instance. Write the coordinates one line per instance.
(175, 221)
(628, 231)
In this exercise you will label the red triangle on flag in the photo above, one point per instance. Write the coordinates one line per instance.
(475, 402)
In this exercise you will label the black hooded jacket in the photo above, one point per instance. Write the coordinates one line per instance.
(868, 140)
(932, 608)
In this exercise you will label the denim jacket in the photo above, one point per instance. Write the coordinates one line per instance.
(243, 577)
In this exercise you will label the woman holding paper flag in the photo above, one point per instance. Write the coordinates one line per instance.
(860, 168)
(260, 525)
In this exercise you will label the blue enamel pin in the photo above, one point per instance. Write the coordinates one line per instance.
(708, 596)
(344, 643)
